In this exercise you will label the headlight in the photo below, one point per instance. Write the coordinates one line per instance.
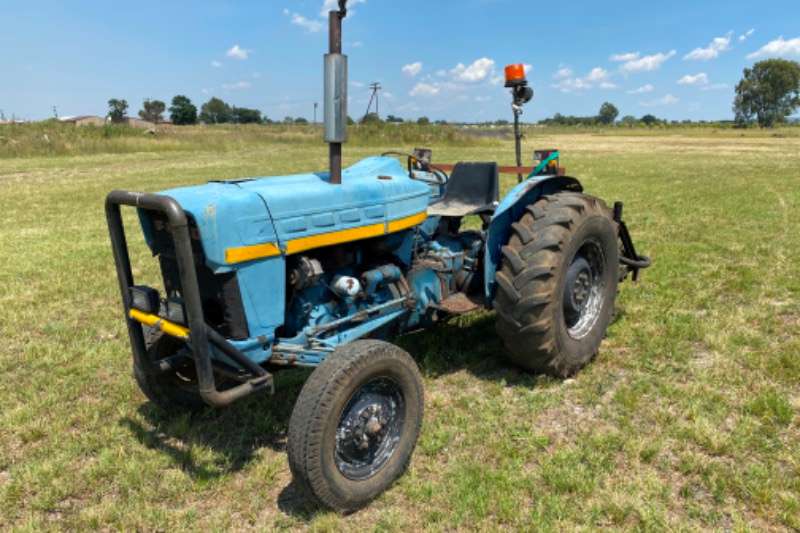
(175, 311)
(145, 299)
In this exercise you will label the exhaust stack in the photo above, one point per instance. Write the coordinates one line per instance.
(335, 100)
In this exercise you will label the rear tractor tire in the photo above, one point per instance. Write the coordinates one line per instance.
(355, 424)
(558, 283)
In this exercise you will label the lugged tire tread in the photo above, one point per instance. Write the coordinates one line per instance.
(524, 294)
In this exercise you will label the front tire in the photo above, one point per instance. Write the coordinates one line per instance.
(171, 391)
(558, 283)
(355, 424)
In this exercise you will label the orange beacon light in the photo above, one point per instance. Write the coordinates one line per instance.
(515, 75)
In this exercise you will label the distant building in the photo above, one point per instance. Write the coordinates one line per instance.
(84, 120)
(138, 123)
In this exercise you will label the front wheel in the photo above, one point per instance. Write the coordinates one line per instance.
(355, 424)
(558, 283)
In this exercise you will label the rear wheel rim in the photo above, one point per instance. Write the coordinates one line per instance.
(369, 428)
(584, 297)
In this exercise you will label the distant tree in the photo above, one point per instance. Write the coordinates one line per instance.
(608, 113)
(423, 121)
(770, 91)
(392, 118)
(117, 109)
(441, 123)
(243, 115)
(182, 111)
(649, 120)
(153, 111)
(301, 120)
(502, 122)
(350, 121)
(629, 121)
(215, 111)
(371, 118)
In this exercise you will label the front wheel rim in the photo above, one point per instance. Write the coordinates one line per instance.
(369, 429)
(584, 290)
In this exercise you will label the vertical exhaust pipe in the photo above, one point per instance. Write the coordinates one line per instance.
(335, 107)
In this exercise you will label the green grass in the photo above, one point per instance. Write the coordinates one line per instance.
(688, 418)
(56, 139)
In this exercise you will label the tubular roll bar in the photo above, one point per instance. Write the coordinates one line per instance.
(200, 333)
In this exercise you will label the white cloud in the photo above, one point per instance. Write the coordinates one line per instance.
(597, 74)
(216, 64)
(412, 69)
(647, 63)
(597, 77)
(483, 99)
(713, 50)
(237, 52)
(694, 79)
(425, 89)
(746, 35)
(311, 26)
(780, 47)
(357, 84)
(333, 5)
(715, 87)
(479, 70)
(562, 73)
(357, 44)
(624, 57)
(665, 100)
(648, 88)
(238, 86)
(569, 85)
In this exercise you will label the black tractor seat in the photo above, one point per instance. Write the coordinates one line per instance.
(473, 188)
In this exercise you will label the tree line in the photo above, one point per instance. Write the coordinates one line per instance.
(768, 93)
(183, 112)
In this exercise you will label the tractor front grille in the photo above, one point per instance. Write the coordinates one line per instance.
(220, 293)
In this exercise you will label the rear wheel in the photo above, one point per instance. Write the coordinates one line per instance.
(355, 424)
(558, 283)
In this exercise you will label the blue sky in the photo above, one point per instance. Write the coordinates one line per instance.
(443, 59)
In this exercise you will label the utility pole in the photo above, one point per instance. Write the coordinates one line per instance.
(375, 87)
(55, 112)
(316, 104)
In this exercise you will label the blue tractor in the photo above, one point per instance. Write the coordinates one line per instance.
(316, 270)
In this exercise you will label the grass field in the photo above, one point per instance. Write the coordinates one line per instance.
(688, 419)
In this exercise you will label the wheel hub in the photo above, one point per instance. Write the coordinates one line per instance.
(583, 298)
(369, 429)
(578, 286)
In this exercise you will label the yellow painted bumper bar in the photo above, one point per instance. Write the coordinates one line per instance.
(169, 328)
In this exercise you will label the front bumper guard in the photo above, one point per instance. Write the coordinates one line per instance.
(199, 334)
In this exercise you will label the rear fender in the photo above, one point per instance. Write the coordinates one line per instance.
(511, 209)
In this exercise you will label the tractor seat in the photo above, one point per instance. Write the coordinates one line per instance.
(473, 188)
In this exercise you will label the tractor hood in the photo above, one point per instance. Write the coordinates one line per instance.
(289, 214)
